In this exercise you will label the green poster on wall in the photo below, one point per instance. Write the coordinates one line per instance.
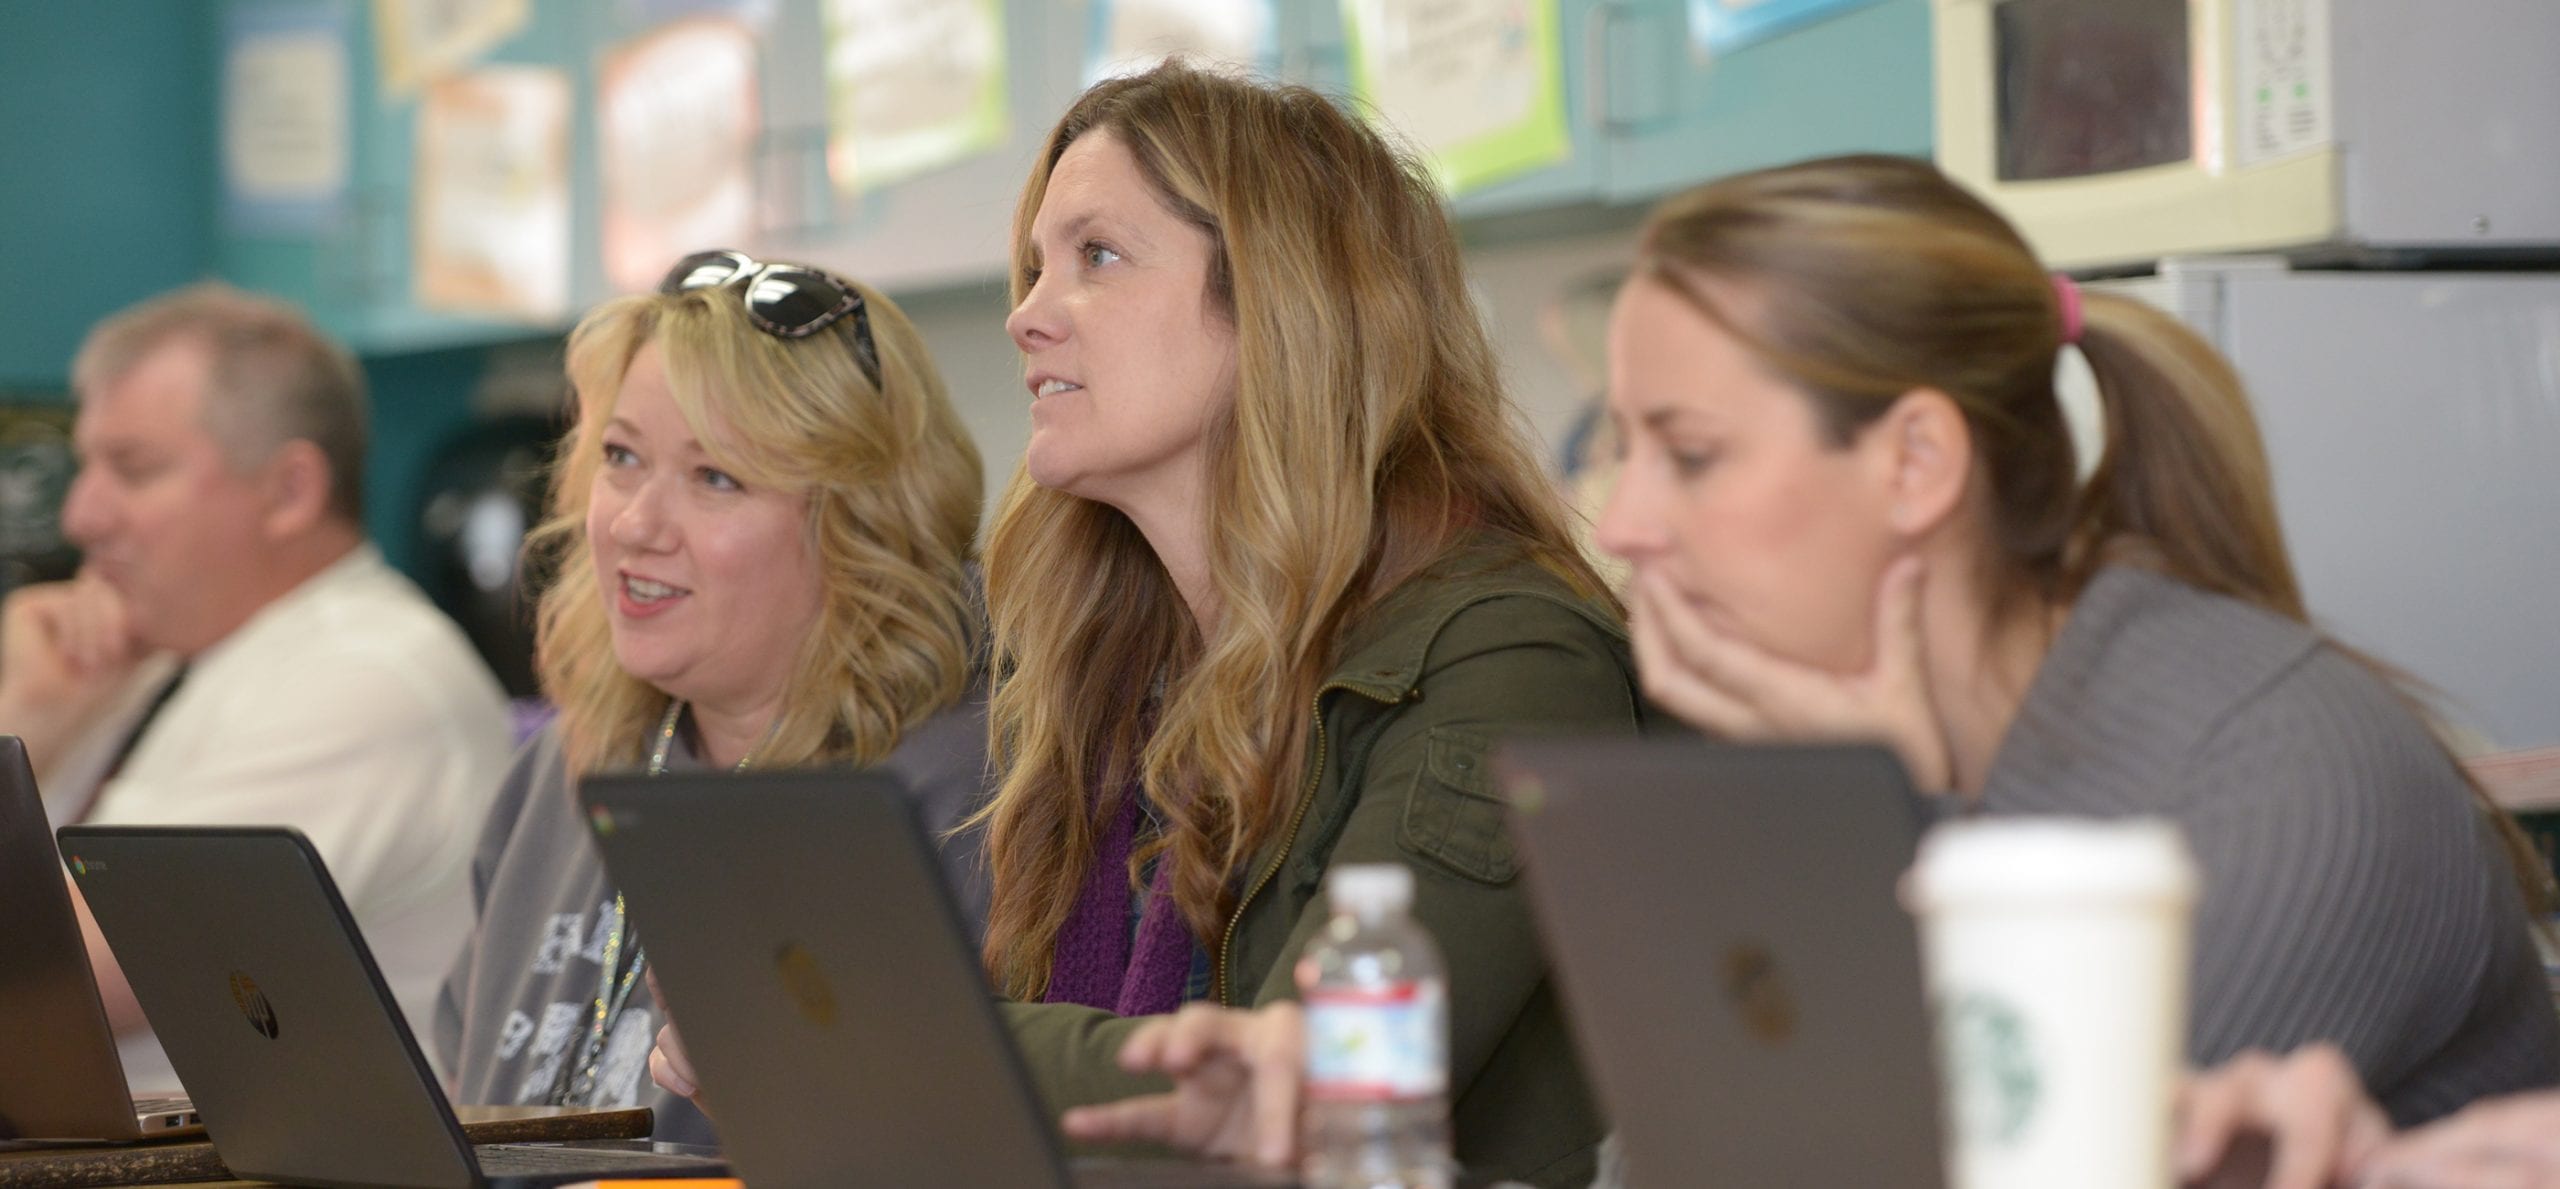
(1476, 85)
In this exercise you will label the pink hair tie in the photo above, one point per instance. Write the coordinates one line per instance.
(2068, 295)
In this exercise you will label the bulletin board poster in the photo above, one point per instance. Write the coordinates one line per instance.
(678, 114)
(420, 40)
(1477, 85)
(642, 14)
(1132, 36)
(1723, 26)
(285, 139)
(912, 86)
(490, 225)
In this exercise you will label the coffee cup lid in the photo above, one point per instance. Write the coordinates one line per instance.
(2035, 861)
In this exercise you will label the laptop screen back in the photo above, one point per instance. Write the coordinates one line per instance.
(1744, 984)
(253, 973)
(809, 950)
(61, 1079)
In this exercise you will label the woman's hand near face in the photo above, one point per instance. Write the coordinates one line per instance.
(2496, 1143)
(1728, 686)
(2308, 1109)
(1238, 1082)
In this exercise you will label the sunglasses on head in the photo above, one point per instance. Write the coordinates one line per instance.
(787, 301)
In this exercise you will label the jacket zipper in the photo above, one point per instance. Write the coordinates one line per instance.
(1288, 841)
(1297, 818)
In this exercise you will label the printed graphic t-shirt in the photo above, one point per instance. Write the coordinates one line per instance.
(513, 1021)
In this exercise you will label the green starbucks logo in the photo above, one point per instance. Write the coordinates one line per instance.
(1991, 1063)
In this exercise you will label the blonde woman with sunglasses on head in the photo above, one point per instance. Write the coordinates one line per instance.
(762, 527)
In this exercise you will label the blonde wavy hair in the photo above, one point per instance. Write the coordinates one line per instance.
(893, 484)
(1369, 436)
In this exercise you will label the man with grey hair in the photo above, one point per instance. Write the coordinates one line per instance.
(234, 651)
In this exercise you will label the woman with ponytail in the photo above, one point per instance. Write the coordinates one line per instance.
(1851, 503)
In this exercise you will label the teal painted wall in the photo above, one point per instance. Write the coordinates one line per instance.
(109, 193)
(107, 139)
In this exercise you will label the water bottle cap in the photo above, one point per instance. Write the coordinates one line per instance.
(1369, 887)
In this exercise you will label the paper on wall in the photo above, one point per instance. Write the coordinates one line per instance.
(490, 227)
(677, 117)
(1477, 85)
(1722, 26)
(284, 117)
(1132, 36)
(418, 40)
(912, 85)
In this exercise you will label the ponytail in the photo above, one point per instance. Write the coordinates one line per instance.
(2184, 471)
(2184, 481)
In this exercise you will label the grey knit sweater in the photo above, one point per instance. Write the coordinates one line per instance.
(513, 1009)
(2352, 890)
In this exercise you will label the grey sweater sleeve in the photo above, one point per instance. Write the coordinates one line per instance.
(2354, 899)
(2348, 895)
(942, 765)
(2350, 900)
(538, 756)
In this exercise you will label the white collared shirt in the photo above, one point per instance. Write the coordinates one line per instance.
(355, 711)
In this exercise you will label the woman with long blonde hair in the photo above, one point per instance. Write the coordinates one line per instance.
(1277, 569)
(762, 529)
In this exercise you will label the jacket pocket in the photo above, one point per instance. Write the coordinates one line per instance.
(1454, 816)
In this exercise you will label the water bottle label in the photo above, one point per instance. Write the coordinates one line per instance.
(1377, 1044)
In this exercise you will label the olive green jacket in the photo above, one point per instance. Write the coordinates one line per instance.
(1475, 648)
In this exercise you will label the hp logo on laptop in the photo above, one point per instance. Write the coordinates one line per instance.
(253, 1004)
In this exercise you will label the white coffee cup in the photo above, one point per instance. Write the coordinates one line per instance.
(2056, 956)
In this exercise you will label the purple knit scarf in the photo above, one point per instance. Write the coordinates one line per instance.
(1096, 963)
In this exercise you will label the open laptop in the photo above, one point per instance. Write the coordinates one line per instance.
(834, 1011)
(273, 1012)
(61, 1078)
(1743, 982)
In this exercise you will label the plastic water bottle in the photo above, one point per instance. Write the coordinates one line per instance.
(1377, 1012)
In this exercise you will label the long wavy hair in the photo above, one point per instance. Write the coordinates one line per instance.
(894, 491)
(1871, 276)
(1369, 436)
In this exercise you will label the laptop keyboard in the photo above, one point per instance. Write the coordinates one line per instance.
(531, 1160)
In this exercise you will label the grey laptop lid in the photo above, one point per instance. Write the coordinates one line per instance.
(1744, 984)
(810, 951)
(61, 1078)
(272, 1010)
